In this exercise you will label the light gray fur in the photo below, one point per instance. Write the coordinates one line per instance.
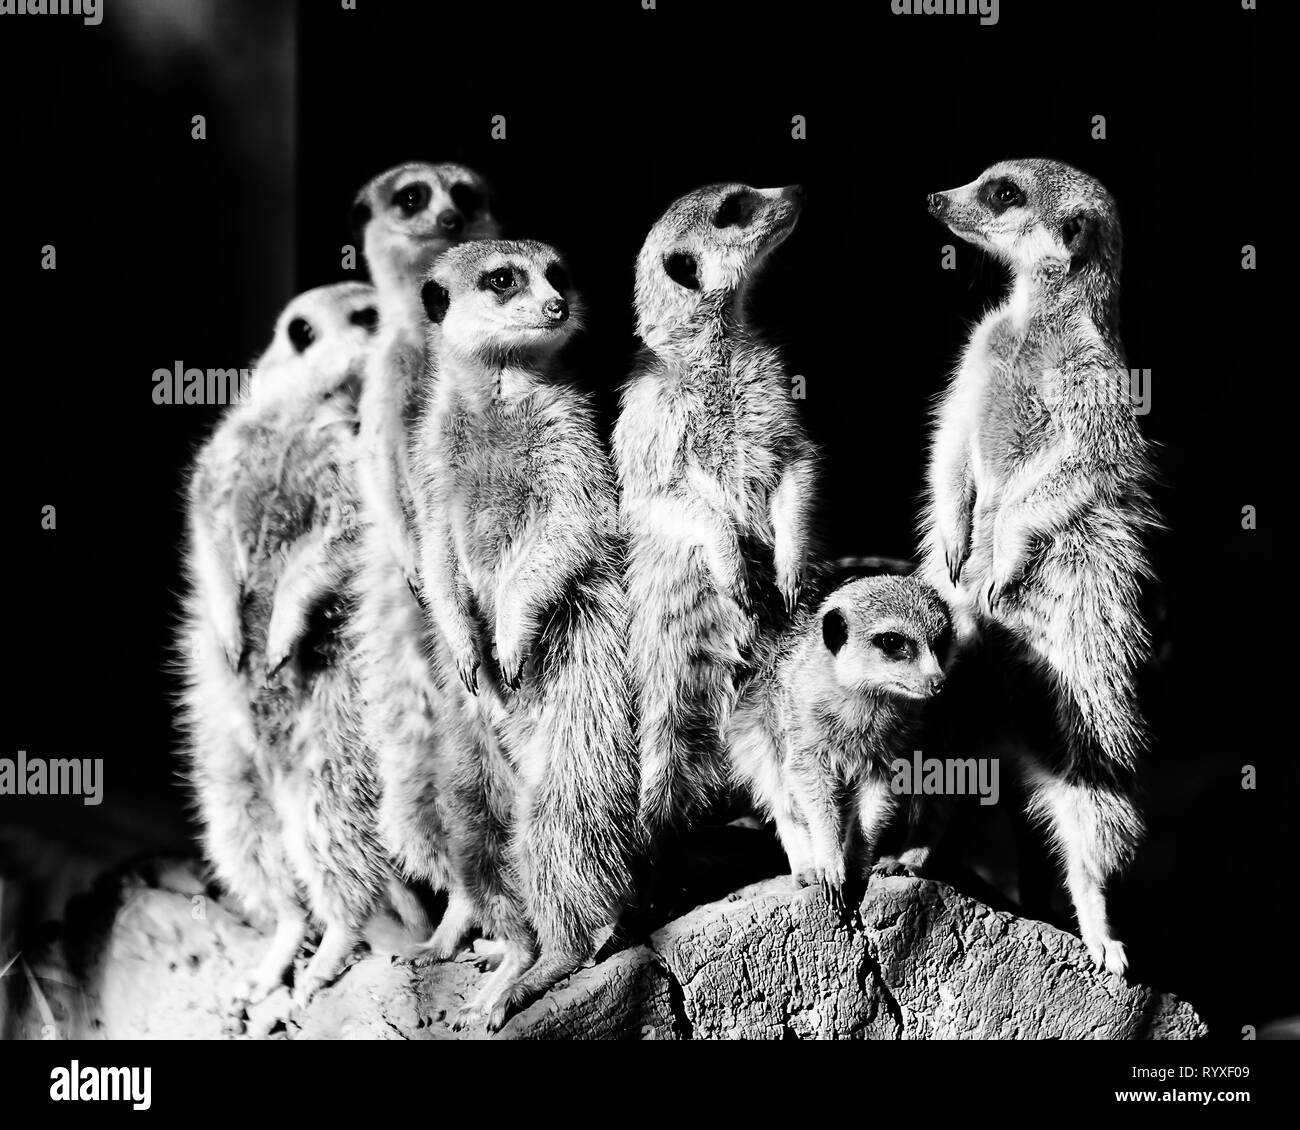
(287, 807)
(521, 573)
(1039, 505)
(402, 700)
(717, 481)
(816, 731)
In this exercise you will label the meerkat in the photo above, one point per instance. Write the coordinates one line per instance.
(717, 481)
(287, 808)
(406, 217)
(1039, 506)
(522, 574)
(841, 695)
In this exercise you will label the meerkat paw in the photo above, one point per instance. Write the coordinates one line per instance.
(1108, 954)
(954, 552)
(273, 1015)
(890, 866)
(467, 669)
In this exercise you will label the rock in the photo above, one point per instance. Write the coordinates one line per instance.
(153, 955)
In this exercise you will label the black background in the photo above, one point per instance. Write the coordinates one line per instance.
(171, 248)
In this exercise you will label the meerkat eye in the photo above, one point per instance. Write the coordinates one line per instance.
(736, 210)
(1008, 194)
(835, 630)
(892, 644)
(301, 334)
(368, 317)
(500, 280)
(558, 277)
(413, 198)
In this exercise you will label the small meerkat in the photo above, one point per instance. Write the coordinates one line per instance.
(521, 572)
(717, 479)
(1039, 504)
(841, 695)
(406, 217)
(286, 807)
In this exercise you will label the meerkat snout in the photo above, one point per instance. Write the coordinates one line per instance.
(938, 204)
(450, 221)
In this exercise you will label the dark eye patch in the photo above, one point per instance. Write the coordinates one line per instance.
(301, 334)
(557, 276)
(682, 268)
(468, 200)
(737, 210)
(367, 316)
(1001, 193)
(835, 630)
(413, 198)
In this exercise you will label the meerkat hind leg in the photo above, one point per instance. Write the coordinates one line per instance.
(1093, 826)
(331, 958)
(454, 927)
(491, 1001)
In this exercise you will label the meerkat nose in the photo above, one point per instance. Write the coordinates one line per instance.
(938, 203)
(450, 222)
(935, 684)
(556, 310)
(797, 192)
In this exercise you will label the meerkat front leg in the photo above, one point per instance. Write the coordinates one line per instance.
(311, 571)
(952, 498)
(1037, 503)
(532, 579)
(221, 592)
(791, 507)
(382, 469)
(818, 798)
(447, 597)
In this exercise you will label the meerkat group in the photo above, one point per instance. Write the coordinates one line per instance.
(437, 635)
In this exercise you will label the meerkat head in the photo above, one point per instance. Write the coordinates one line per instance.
(499, 301)
(321, 340)
(886, 637)
(706, 248)
(1034, 214)
(411, 214)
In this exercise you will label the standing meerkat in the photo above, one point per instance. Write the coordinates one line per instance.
(717, 477)
(521, 571)
(287, 809)
(406, 217)
(1039, 504)
(816, 732)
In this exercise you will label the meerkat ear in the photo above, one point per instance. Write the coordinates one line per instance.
(835, 630)
(436, 299)
(683, 269)
(358, 218)
(1079, 234)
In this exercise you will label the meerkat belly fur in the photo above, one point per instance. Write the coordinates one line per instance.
(840, 697)
(522, 575)
(407, 216)
(716, 476)
(1039, 504)
(287, 809)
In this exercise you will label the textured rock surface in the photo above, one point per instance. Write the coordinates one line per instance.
(156, 952)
